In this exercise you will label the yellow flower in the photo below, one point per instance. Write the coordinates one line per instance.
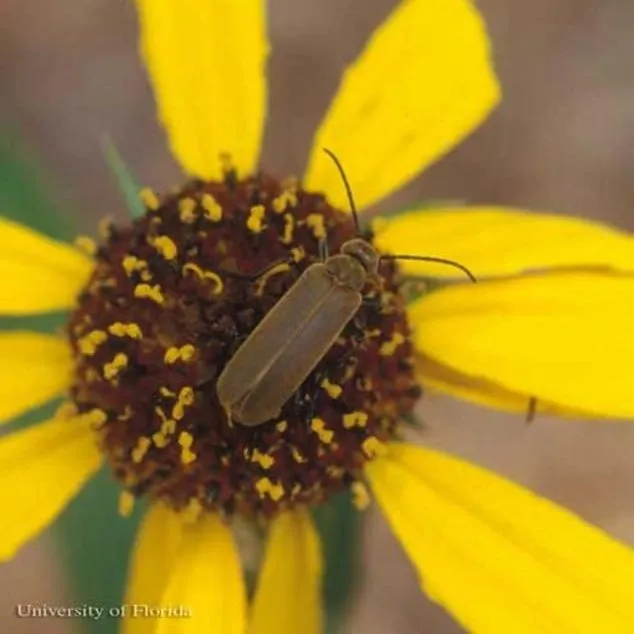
(146, 339)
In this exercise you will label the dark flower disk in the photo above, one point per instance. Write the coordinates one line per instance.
(173, 296)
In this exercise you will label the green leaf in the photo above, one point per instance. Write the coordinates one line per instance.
(339, 524)
(96, 544)
(24, 195)
(126, 182)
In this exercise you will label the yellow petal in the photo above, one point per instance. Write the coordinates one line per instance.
(39, 274)
(207, 580)
(34, 368)
(566, 338)
(152, 562)
(436, 377)
(41, 470)
(289, 587)
(497, 242)
(422, 84)
(206, 61)
(497, 556)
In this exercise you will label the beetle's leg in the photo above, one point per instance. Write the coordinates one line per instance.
(312, 402)
(373, 302)
(237, 342)
(251, 445)
(324, 252)
(254, 276)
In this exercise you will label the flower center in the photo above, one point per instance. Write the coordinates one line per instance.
(172, 298)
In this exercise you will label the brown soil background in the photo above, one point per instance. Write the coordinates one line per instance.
(562, 140)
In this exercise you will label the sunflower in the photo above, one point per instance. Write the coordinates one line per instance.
(164, 302)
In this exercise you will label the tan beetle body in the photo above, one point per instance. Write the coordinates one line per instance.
(286, 346)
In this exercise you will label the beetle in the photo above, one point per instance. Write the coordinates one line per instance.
(286, 346)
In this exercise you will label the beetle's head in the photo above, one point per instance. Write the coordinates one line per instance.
(364, 252)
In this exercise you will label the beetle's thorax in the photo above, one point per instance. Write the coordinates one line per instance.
(347, 271)
(362, 251)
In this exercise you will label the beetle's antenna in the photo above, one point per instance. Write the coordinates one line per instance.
(344, 178)
(429, 258)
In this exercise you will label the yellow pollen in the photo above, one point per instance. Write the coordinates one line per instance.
(290, 184)
(333, 390)
(360, 496)
(119, 329)
(289, 226)
(254, 221)
(186, 395)
(149, 199)
(279, 204)
(187, 456)
(355, 419)
(264, 460)
(66, 410)
(145, 291)
(286, 199)
(168, 427)
(178, 411)
(373, 447)
(192, 511)
(187, 210)
(298, 254)
(131, 263)
(335, 472)
(213, 211)
(88, 344)
(127, 413)
(160, 440)
(165, 246)
(126, 503)
(142, 446)
(92, 376)
(282, 267)
(184, 353)
(319, 427)
(166, 391)
(389, 347)
(104, 227)
(281, 427)
(185, 440)
(264, 486)
(205, 275)
(317, 224)
(112, 369)
(297, 457)
(86, 244)
(96, 417)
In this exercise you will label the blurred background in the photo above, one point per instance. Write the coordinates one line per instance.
(563, 140)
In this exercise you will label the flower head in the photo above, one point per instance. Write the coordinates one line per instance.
(164, 304)
(172, 298)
